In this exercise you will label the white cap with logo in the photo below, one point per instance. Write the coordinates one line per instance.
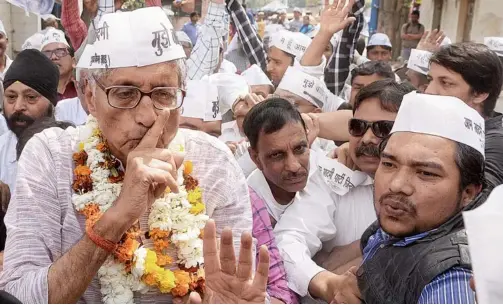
(305, 86)
(443, 116)
(53, 36)
(150, 39)
(289, 42)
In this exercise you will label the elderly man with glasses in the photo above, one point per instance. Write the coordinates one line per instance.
(56, 48)
(104, 212)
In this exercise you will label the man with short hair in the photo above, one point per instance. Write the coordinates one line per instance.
(412, 32)
(282, 20)
(30, 93)
(57, 49)
(336, 206)
(280, 149)
(296, 23)
(474, 74)
(367, 73)
(190, 28)
(379, 48)
(135, 108)
(5, 61)
(428, 174)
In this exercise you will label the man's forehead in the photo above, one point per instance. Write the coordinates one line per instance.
(291, 134)
(417, 147)
(158, 74)
(439, 71)
(54, 46)
(277, 54)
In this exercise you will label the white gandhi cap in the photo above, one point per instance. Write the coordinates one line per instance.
(443, 116)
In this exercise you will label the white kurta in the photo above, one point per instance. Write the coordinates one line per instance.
(227, 67)
(320, 219)
(71, 110)
(8, 162)
(3, 124)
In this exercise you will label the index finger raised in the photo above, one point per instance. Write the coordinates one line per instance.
(152, 136)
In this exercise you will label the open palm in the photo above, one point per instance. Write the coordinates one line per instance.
(335, 17)
(227, 282)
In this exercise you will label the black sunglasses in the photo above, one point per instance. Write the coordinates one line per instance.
(381, 129)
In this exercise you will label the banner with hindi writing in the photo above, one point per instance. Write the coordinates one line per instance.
(39, 7)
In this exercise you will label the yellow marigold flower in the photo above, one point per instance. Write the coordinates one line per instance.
(165, 280)
(187, 167)
(197, 208)
(96, 132)
(194, 196)
(182, 283)
(150, 262)
(81, 146)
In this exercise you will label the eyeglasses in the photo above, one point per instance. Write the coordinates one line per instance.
(381, 129)
(128, 97)
(61, 52)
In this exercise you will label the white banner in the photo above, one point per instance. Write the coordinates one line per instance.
(39, 7)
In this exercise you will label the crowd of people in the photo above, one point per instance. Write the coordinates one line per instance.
(233, 160)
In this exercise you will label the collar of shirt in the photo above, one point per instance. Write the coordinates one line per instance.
(70, 92)
(380, 237)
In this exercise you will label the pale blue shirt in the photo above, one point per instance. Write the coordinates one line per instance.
(191, 30)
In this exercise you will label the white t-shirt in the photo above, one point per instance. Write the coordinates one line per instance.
(71, 110)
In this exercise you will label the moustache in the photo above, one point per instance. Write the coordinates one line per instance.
(20, 117)
(367, 150)
(398, 201)
(295, 176)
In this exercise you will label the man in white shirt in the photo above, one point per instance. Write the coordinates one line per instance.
(5, 61)
(74, 110)
(337, 205)
(30, 93)
(280, 149)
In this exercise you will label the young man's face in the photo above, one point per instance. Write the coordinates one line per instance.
(277, 63)
(379, 53)
(417, 184)
(449, 83)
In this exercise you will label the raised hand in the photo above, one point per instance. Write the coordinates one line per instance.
(335, 17)
(149, 171)
(226, 281)
(431, 41)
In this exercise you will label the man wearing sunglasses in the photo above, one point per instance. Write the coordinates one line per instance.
(57, 49)
(336, 206)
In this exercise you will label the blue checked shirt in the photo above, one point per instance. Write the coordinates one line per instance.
(450, 287)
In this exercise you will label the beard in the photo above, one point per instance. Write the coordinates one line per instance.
(25, 120)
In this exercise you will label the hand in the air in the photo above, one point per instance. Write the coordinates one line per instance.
(226, 280)
(431, 41)
(335, 17)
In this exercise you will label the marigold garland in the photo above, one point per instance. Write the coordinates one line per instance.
(175, 220)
